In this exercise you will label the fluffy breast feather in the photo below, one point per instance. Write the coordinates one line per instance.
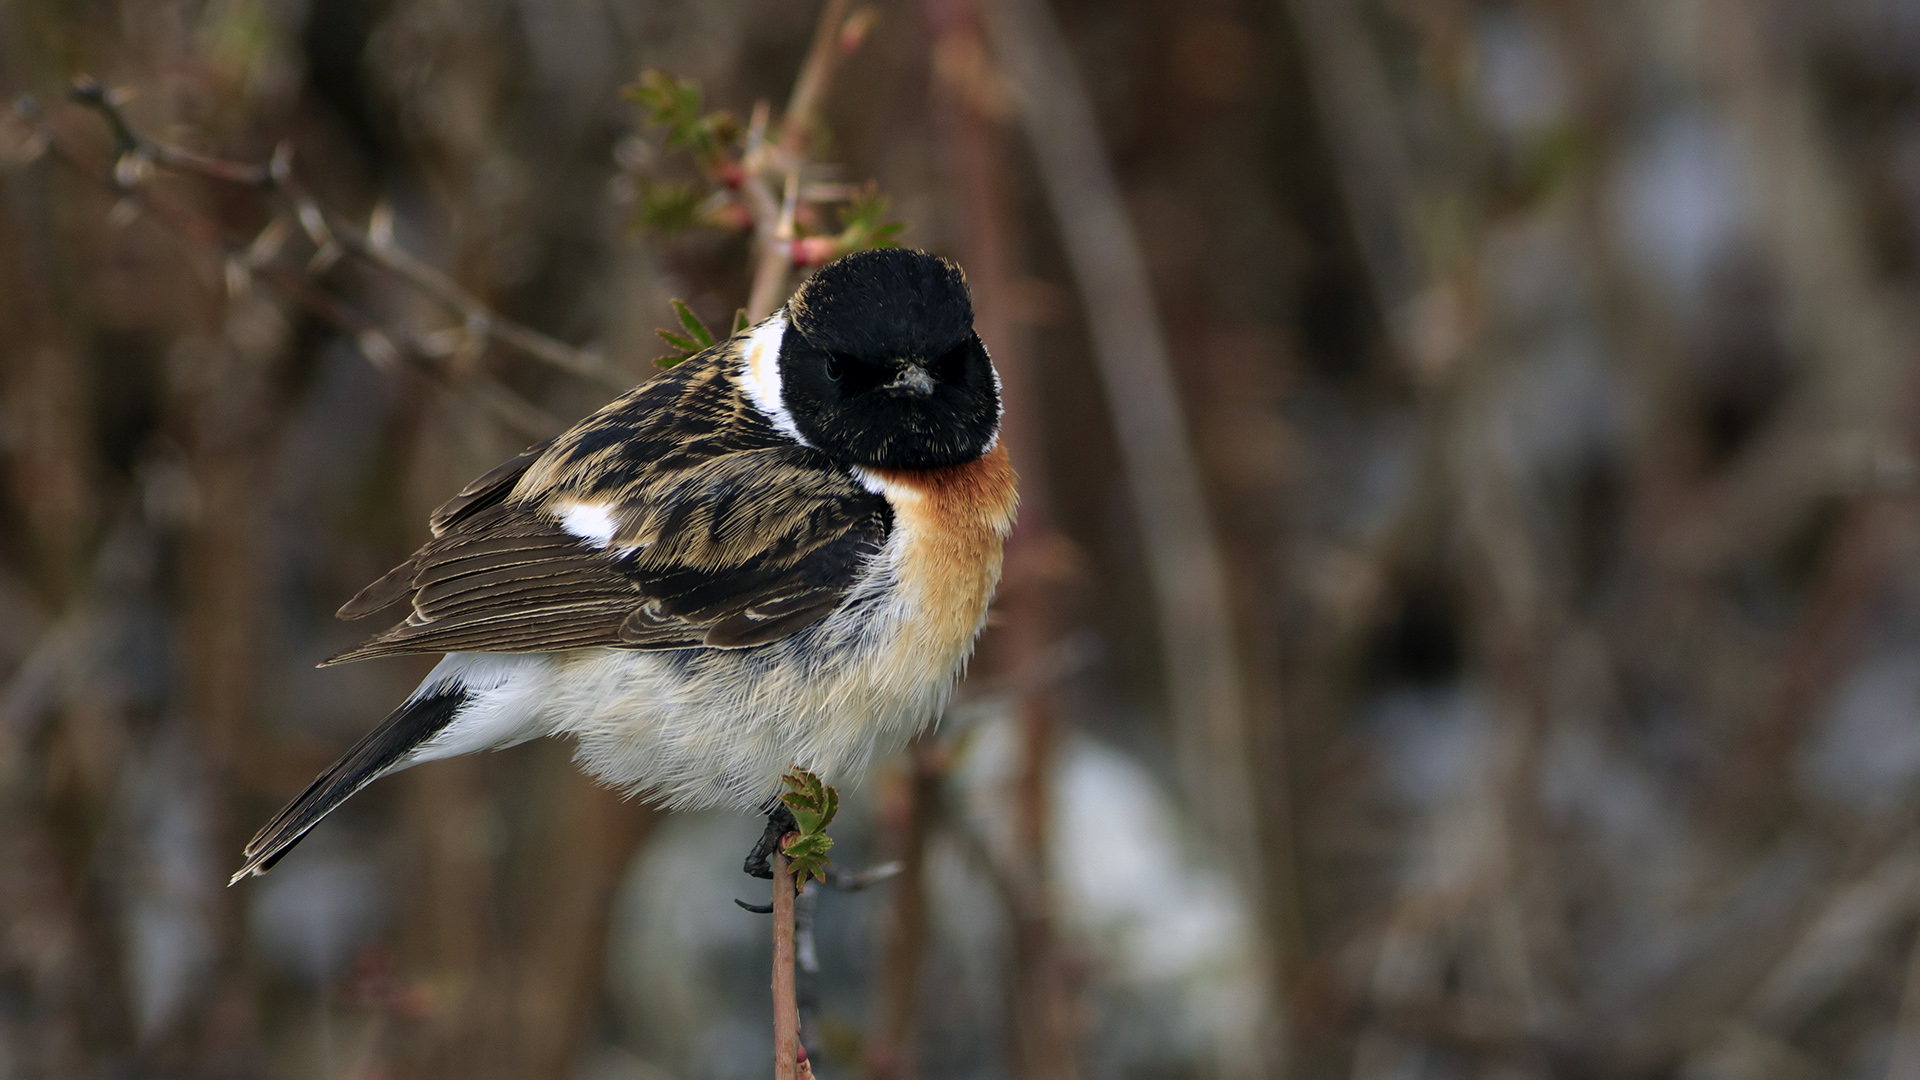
(952, 522)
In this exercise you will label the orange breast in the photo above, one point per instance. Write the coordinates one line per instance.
(952, 521)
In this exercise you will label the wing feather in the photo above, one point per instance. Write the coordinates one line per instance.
(727, 535)
(488, 490)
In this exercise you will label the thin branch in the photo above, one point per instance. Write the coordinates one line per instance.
(806, 980)
(1184, 558)
(1848, 929)
(331, 233)
(823, 55)
(1362, 129)
(383, 350)
(788, 1057)
(816, 74)
(378, 246)
(376, 343)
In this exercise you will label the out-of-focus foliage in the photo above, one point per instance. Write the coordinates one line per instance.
(863, 224)
(675, 105)
(724, 153)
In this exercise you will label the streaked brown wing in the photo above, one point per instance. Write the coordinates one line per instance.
(490, 490)
(729, 536)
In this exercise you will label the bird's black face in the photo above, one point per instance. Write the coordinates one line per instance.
(879, 365)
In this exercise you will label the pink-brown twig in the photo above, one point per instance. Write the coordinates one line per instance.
(788, 1058)
(773, 217)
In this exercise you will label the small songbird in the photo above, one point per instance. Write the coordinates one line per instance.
(777, 553)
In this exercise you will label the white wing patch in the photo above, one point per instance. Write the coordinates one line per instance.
(591, 522)
(760, 374)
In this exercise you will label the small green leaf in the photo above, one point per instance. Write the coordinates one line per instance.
(696, 338)
(814, 805)
(670, 102)
(696, 329)
(739, 320)
(675, 104)
(807, 847)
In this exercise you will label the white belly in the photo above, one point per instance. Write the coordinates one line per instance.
(695, 728)
(700, 728)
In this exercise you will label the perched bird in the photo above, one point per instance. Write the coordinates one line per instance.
(777, 553)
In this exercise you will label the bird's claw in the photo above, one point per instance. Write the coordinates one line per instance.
(760, 860)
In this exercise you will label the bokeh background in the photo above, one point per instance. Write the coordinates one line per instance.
(1463, 621)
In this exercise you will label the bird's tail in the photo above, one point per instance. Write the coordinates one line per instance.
(410, 725)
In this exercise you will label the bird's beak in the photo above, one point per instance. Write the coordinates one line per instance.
(912, 382)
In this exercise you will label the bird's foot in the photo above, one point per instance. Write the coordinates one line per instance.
(780, 822)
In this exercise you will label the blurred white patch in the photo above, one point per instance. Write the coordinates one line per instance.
(1168, 918)
(316, 910)
(1137, 889)
(1561, 409)
(1681, 200)
(1521, 84)
(1436, 742)
(1865, 755)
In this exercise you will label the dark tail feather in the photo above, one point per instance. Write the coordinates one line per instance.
(409, 726)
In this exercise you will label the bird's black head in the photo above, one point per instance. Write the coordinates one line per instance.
(879, 364)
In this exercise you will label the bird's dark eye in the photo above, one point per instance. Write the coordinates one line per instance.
(854, 375)
(953, 363)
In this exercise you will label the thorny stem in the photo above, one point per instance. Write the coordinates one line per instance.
(823, 55)
(771, 219)
(331, 234)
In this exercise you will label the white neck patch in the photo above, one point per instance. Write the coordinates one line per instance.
(760, 374)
